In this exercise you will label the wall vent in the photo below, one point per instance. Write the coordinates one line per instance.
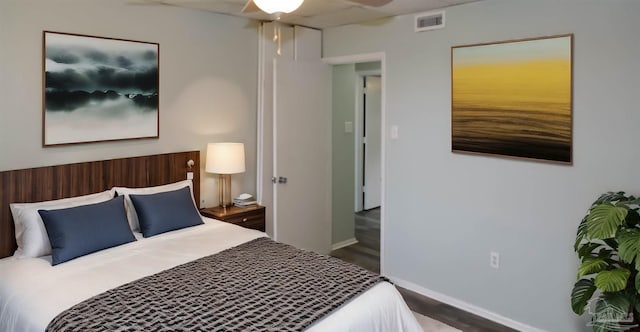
(429, 21)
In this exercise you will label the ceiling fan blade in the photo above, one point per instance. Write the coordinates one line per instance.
(250, 7)
(372, 3)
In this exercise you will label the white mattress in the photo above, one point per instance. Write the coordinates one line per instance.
(32, 292)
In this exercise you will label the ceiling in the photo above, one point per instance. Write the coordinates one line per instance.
(314, 13)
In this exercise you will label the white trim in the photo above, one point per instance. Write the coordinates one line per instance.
(355, 58)
(358, 130)
(358, 141)
(383, 156)
(368, 57)
(344, 243)
(490, 315)
(260, 119)
(374, 72)
(275, 150)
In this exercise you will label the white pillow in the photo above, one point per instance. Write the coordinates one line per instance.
(31, 235)
(131, 211)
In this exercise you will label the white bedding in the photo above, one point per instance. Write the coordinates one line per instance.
(32, 292)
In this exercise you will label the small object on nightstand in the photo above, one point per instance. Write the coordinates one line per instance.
(244, 201)
(250, 217)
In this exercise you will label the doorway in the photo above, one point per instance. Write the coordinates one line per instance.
(368, 143)
(357, 161)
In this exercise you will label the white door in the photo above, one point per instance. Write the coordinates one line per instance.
(373, 143)
(302, 154)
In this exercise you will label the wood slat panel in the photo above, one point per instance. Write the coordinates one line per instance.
(133, 171)
(62, 181)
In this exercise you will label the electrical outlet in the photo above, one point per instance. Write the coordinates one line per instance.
(494, 260)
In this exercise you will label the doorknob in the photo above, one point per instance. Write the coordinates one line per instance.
(279, 179)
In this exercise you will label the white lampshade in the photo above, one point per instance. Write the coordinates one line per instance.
(278, 6)
(225, 158)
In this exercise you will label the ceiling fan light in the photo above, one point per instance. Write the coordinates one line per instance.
(278, 6)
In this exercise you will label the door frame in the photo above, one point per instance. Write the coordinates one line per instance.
(369, 57)
(359, 130)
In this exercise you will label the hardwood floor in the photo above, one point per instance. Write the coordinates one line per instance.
(366, 253)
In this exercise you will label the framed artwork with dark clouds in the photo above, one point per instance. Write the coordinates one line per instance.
(99, 89)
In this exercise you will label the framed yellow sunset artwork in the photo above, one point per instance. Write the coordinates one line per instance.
(513, 98)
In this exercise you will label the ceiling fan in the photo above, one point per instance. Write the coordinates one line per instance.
(287, 6)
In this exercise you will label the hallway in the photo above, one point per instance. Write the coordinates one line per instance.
(366, 252)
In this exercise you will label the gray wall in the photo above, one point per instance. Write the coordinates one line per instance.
(343, 160)
(445, 212)
(208, 71)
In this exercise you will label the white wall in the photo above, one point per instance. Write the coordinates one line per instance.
(208, 71)
(445, 212)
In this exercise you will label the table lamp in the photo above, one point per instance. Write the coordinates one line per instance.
(225, 159)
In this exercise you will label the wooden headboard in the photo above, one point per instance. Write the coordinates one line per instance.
(62, 181)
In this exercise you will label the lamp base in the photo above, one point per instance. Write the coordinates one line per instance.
(224, 189)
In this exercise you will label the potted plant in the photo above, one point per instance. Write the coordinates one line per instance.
(608, 245)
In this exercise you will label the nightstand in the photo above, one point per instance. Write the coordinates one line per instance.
(250, 217)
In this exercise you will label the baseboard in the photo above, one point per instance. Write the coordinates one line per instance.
(465, 306)
(344, 243)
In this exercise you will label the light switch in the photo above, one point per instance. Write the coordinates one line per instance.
(394, 132)
(189, 175)
(348, 127)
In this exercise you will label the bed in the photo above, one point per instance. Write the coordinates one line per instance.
(33, 292)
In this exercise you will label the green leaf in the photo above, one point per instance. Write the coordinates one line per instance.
(581, 294)
(604, 253)
(587, 249)
(634, 201)
(632, 296)
(591, 265)
(603, 221)
(612, 280)
(611, 243)
(617, 300)
(633, 218)
(610, 311)
(599, 327)
(582, 233)
(611, 197)
(629, 245)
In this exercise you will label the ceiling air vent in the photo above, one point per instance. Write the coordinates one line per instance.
(429, 21)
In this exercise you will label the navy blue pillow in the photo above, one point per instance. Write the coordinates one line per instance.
(165, 211)
(81, 230)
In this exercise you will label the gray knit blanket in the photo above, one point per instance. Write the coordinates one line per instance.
(260, 285)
